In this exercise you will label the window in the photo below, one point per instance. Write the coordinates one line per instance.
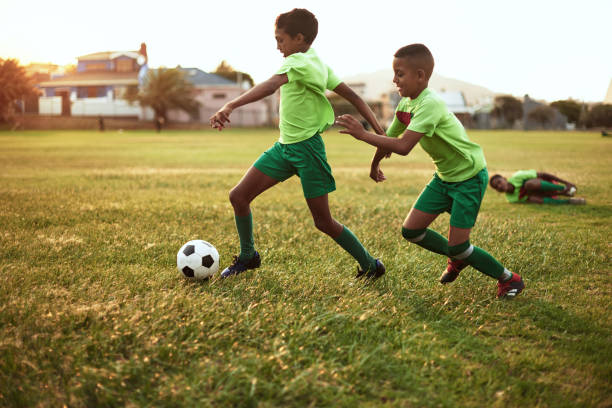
(96, 66)
(124, 65)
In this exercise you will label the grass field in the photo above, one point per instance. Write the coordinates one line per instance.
(94, 313)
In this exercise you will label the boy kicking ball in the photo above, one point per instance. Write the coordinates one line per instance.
(305, 113)
(461, 177)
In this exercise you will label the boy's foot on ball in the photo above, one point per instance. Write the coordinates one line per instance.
(239, 266)
(511, 287)
(372, 273)
(453, 267)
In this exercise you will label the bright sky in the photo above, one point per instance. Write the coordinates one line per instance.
(548, 49)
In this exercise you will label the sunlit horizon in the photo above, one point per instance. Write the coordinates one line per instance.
(549, 50)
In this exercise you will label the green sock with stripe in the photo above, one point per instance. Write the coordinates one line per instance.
(480, 259)
(428, 239)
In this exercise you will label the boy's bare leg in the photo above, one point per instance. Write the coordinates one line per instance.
(323, 220)
(253, 183)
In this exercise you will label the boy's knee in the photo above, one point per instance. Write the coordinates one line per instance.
(414, 235)
(461, 251)
(236, 198)
(323, 225)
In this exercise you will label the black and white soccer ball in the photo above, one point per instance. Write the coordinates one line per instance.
(197, 259)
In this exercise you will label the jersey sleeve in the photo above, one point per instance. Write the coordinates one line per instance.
(332, 80)
(521, 176)
(293, 67)
(426, 117)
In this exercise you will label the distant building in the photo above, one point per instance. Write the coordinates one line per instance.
(98, 86)
(456, 103)
(213, 91)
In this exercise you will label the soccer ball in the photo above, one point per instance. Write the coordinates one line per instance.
(197, 259)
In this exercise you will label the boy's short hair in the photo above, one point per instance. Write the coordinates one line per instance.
(419, 56)
(299, 21)
(494, 177)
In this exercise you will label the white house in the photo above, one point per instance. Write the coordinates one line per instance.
(97, 87)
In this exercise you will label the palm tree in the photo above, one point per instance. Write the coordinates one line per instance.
(166, 89)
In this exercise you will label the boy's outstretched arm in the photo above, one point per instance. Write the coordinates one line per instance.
(259, 91)
(347, 93)
(401, 145)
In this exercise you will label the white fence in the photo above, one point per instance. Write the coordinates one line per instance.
(50, 105)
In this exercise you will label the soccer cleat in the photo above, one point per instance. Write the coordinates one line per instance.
(372, 274)
(453, 267)
(571, 191)
(577, 201)
(510, 288)
(238, 266)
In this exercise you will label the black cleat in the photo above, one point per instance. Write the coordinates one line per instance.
(238, 266)
(372, 274)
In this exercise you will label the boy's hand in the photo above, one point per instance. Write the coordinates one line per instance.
(352, 125)
(219, 119)
(376, 173)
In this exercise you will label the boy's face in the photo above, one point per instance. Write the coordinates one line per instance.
(288, 45)
(409, 80)
(500, 184)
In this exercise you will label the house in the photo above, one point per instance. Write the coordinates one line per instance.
(462, 98)
(213, 91)
(97, 87)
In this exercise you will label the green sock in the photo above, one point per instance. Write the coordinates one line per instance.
(244, 225)
(428, 239)
(485, 263)
(550, 200)
(351, 244)
(547, 186)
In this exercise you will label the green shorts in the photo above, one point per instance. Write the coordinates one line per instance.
(306, 159)
(461, 199)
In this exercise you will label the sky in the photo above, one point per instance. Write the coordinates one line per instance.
(550, 50)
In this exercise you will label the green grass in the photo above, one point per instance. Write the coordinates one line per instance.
(94, 313)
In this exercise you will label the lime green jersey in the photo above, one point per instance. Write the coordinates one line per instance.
(304, 108)
(517, 180)
(455, 156)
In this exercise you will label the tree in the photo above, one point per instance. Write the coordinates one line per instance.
(14, 85)
(600, 115)
(163, 90)
(569, 108)
(542, 115)
(507, 108)
(226, 71)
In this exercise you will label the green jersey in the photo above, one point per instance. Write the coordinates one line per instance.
(304, 108)
(455, 156)
(517, 180)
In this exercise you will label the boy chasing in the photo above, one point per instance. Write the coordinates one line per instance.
(305, 113)
(460, 180)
